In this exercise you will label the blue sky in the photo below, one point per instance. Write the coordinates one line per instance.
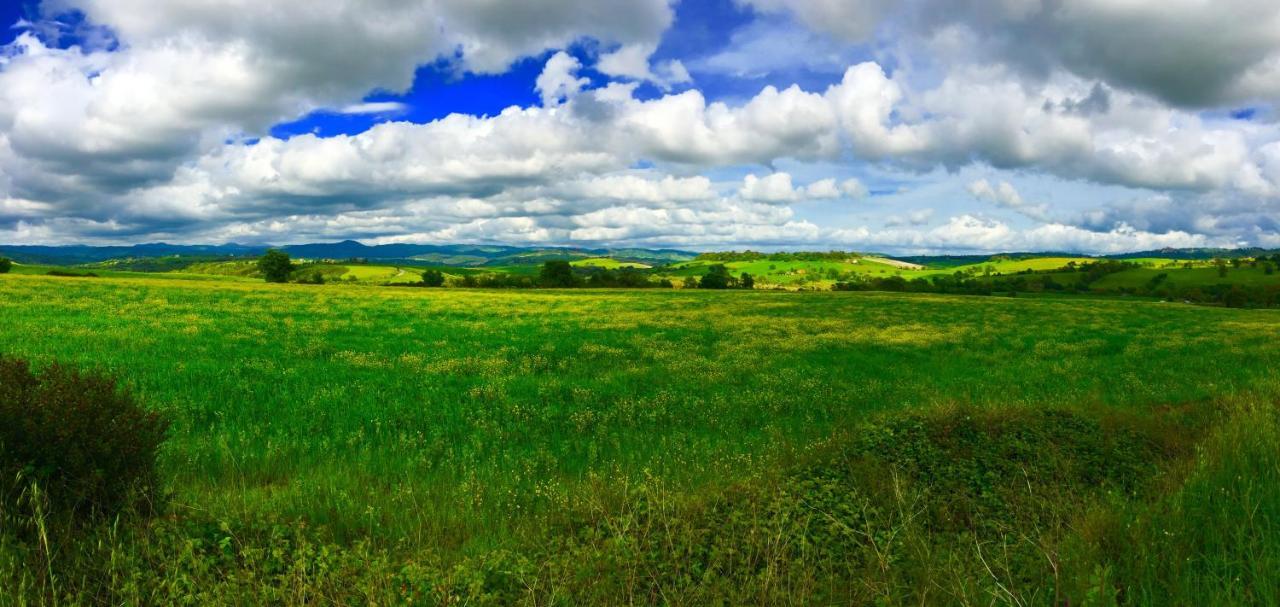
(918, 126)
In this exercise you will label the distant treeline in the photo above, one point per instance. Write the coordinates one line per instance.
(794, 256)
(560, 275)
(1083, 277)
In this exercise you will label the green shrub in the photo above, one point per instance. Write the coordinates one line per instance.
(81, 439)
(5, 265)
(432, 278)
(717, 277)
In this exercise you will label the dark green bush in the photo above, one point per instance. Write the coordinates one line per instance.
(79, 437)
(5, 265)
(433, 278)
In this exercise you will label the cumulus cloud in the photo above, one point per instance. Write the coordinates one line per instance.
(559, 79)
(1186, 52)
(156, 125)
(969, 233)
(1007, 196)
(770, 188)
(188, 74)
(632, 61)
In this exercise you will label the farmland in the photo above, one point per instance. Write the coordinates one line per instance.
(358, 444)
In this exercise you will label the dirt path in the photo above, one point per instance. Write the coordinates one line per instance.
(895, 263)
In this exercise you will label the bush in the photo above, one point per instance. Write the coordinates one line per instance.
(82, 439)
(433, 278)
(717, 277)
(557, 274)
(5, 265)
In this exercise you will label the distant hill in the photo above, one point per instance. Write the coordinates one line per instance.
(479, 255)
(465, 255)
(1196, 253)
(947, 261)
(78, 254)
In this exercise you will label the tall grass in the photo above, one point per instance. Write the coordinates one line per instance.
(383, 445)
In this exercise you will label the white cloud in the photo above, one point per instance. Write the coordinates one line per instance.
(853, 188)
(158, 136)
(968, 233)
(774, 188)
(822, 189)
(1187, 52)
(918, 217)
(1007, 196)
(559, 79)
(632, 61)
(374, 107)
(188, 74)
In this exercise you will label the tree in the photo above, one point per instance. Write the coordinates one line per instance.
(275, 266)
(717, 277)
(689, 282)
(557, 274)
(5, 265)
(433, 278)
(1235, 297)
(747, 281)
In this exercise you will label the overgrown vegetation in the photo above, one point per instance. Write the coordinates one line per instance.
(415, 446)
(1077, 278)
(78, 439)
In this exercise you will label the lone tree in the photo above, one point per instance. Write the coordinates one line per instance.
(275, 266)
(557, 274)
(5, 265)
(433, 278)
(746, 281)
(717, 277)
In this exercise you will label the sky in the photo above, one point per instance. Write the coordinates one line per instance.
(901, 126)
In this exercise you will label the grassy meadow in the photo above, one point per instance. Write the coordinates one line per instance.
(348, 444)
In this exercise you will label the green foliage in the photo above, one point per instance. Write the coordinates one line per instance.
(433, 278)
(83, 441)
(746, 281)
(557, 274)
(69, 274)
(275, 266)
(5, 265)
(783, 256)
(717, 277)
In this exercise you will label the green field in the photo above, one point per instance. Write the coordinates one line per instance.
(793, 274)
(359, 444)
(608, 263)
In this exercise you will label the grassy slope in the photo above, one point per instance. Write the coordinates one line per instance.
(451, 423)
(607, 263)
(1013, 266)
(792, 273)
(33, 270)
(1192, 277)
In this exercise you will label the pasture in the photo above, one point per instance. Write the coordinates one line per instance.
(441, 446)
